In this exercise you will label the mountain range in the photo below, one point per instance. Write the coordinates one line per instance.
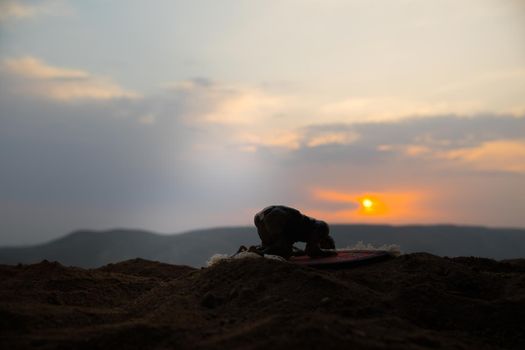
(91, 249)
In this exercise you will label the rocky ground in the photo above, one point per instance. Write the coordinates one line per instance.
(416, 301)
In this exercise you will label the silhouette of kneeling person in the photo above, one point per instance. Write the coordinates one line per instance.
(279, 227)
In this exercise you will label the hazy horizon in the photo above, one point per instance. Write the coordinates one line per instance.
(59, 236)
(176, 115)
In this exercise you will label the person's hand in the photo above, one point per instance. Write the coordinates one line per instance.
(316, 252)
(241, 249)
(256, 250)
(327, 253)
(327, 243)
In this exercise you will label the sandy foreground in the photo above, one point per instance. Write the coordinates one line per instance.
(415, 301)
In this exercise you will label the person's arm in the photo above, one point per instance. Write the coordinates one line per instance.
(327, 243)
(319, 239)
(314, 250)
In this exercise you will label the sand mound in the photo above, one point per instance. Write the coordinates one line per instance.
(415, 301)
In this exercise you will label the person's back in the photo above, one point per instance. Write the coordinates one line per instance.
(279, 227)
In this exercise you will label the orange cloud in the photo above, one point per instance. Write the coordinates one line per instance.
(275, 138)
(38, 78)
(501, 155)
(246, 107)
(341, 138)
(18, 9)
(381, 108)
(15, 9)
(31, 67)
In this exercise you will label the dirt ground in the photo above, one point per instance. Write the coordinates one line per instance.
(415, 301)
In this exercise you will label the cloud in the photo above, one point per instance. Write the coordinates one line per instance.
(496, 141)
(238, 105)
(254, 117)
(340, 138)
(500, 156)
(443, 131)
(16, 9)
(248, 120)
(237, 116)
(497, 92)
(289, 140)
(35, 77)
(246, 106)
(328, 134)
(295, 139)
(251, 116)
(363, 109)
(257, 118)
(31, 67)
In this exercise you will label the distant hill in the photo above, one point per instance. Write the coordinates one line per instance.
(94, 249)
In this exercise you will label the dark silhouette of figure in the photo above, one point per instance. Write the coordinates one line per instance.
(279, 227)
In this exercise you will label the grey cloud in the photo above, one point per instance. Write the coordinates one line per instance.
(439, 133)
(444, 131)
(459, 190)
(96, 163)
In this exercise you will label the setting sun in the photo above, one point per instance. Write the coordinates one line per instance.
(367, 203)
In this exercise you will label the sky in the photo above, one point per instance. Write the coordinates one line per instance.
(177, 115)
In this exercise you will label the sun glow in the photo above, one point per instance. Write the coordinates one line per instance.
(371, 205)
(401, 206)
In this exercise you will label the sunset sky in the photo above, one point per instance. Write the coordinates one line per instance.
(173, 115)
